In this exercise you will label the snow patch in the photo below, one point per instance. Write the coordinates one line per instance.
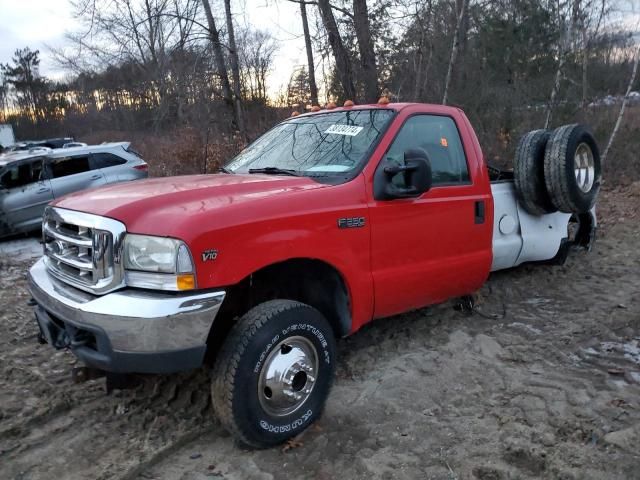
(630, 350)
(21, 249)
(526, 327)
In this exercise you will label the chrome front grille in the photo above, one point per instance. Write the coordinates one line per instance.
(83, 250)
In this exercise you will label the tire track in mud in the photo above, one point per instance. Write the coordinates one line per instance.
(44, 416)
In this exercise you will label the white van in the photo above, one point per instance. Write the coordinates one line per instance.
(6, 136)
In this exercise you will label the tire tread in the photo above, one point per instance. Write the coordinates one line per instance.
(528, 173)
(558, 173)
(228, 361)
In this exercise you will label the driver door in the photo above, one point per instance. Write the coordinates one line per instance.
(25, 192)
(435, 246)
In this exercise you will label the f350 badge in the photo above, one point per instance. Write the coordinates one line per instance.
(209, 255)
(351, 222)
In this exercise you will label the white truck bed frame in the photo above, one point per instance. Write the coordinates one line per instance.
(520, 237)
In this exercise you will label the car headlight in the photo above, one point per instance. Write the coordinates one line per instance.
(158, 263)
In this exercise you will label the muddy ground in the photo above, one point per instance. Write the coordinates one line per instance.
(550, 389)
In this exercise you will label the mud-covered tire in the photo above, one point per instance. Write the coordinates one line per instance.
(572, 170)
(263, 334)
(528, 173)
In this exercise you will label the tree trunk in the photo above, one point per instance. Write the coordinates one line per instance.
(563, 50)
(235, 70)
(554, 90)
(310, 65)
(367, 53)
(614, 132)
(585, 60)
(343, 62)
(454, 52)
(463, 37)
(218, 56)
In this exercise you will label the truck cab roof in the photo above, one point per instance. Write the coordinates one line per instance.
(425, 107)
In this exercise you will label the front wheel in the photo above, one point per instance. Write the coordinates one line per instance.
(274, 372)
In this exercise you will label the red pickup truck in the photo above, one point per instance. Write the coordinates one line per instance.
(326, 222)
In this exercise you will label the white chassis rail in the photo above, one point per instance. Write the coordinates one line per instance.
(520, 237)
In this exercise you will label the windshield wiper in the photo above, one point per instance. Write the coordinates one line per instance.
(225, 170)
(274, 171)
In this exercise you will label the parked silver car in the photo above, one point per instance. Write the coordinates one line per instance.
(30, 180)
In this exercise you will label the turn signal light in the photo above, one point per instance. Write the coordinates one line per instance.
(186, 281)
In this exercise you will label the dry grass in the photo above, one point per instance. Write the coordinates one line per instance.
(181, 152)
(622, 166)
(184, 151)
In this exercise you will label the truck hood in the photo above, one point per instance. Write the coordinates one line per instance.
(157, 205)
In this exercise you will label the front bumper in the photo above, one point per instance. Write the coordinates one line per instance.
(127, 331)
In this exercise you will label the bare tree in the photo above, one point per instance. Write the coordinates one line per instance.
(235, 69)
(148, 35)
(311, 69)
(218, 55)
(454, 51)
(256, 50)
(590, 26)
(367, 53)
(616, 127)
(564, 49)
(340, 54)
(420, 16)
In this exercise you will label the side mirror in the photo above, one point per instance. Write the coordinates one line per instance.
(416, 173)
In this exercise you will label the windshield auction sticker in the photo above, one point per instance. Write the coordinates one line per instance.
(350, 130)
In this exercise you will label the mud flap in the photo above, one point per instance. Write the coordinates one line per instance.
(563, 252)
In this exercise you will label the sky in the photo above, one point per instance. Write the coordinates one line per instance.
(34, 23)
(41, 24)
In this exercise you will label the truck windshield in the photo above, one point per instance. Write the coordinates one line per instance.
(315, 145)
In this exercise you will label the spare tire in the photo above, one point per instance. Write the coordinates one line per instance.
(572, 169)
(528, 173)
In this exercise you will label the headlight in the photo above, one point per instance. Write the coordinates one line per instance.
(158, 263)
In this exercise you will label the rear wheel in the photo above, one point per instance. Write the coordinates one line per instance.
(274, 372)
(572, 169)
(528, 173)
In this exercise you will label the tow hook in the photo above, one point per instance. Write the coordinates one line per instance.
(83, 374)
(465, 304)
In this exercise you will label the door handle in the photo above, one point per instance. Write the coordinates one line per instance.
(43, 190)
(96, 177)
(479, 212)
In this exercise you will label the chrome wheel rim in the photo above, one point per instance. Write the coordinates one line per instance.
(288, 376)
(583, 166)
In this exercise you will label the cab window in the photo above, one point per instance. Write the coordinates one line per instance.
(22, 174)
(438, 136)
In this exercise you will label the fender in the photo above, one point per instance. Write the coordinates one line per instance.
(306, 225)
